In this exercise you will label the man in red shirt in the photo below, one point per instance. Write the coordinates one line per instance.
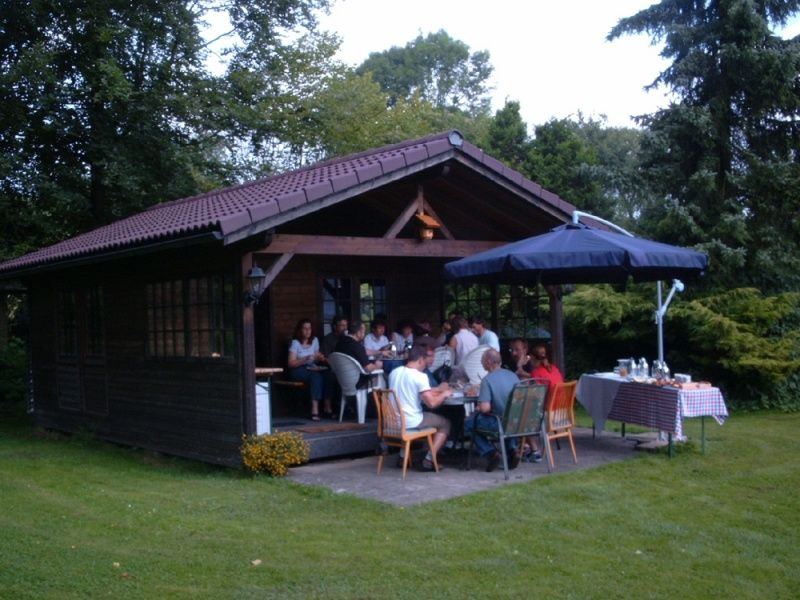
(542, 369)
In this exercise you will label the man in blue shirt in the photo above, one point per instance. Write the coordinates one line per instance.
(485, 335)
(495, 390)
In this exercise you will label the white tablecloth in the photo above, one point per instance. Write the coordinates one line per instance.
(596, 394)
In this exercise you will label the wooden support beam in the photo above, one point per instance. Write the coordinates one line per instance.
(276, 269)
(401, 221)
(554, 292)
(330, 245)
(248, 353)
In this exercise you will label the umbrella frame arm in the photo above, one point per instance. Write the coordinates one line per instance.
(577, 214)
(677, 286)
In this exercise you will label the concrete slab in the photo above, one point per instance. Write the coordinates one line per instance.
(357, 476)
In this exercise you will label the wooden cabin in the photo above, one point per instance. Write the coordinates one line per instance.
(142, 332)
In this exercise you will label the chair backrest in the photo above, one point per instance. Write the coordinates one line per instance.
(561, 405)
(347, 371)
(472, 364)
(524, 408)
(391, 419)
(441, 355)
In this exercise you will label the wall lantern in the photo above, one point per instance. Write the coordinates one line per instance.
(255, 283)
(427, 226)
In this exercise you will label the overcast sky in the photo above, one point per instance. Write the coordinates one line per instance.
(549, 55)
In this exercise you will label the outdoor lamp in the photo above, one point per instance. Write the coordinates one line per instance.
(427, 226)
(255, 281)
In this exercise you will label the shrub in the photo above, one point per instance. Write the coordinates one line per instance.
(13, 368)
(274, 453)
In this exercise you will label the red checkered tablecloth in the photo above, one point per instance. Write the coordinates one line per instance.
(664, 408)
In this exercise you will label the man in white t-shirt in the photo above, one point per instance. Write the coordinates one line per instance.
(413, 389)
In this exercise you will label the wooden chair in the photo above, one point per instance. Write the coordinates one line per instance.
(392, 429)
(348, 372)
(561, 417)
(472, 364)
(522, 418)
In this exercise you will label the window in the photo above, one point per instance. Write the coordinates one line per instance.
(372, 300)
(336, 299)
(521, 311)
(190, 317)
(67, 324)
(469, 300)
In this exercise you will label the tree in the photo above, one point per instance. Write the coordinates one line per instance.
(109, 107)
(508, 136)
(438, 68)
(725, 154)
(562, 161)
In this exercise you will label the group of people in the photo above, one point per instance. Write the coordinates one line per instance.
(422, 396)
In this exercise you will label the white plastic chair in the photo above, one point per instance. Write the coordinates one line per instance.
(348, 371)
(472, 364)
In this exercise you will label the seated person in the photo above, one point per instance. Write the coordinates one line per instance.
(495, 389)
(413, 390)
(351, 343)
(303, 355)
(403, 338)
(463, 341)
(445, 333)
(338, 327)
(542, 369)
(376, 341)
(522, 363)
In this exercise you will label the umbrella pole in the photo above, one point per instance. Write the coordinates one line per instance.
(660, 323)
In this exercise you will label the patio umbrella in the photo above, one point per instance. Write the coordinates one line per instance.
(578, 253)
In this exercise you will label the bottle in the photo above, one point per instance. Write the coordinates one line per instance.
(643, 368)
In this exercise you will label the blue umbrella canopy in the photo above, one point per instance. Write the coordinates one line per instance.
(577, 253)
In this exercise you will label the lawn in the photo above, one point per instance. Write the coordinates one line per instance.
(80, 518)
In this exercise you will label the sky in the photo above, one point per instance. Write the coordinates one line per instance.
(551, 56)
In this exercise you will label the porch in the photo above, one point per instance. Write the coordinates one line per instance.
(356, 475)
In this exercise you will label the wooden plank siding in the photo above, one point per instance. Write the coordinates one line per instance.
(190, 407)
(413, 291)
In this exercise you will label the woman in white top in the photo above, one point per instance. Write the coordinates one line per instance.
(304, 355)
(376, 340)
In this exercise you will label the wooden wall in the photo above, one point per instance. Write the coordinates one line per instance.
(414, 290)
(187, 407)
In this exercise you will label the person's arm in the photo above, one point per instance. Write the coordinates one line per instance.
(485, 398)
(435, 396)
(294, 359)
(370, 367)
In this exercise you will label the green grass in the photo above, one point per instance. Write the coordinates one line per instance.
(715, 526)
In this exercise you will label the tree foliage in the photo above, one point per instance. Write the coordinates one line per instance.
(436, 68)
(109, 106)
(725, 154)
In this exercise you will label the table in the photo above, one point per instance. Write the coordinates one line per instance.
(608, 396)
(263, 398)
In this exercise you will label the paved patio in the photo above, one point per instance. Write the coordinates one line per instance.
(357, 476)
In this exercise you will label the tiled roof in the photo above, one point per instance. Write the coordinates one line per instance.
(229, 210)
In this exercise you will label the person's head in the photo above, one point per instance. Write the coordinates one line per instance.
(356, 330)
(459, 323)
(479, 325)
(425, 340)
(378, 328)
(303, 331)
(429, 352)
(446, 327)
(539, 355)
(519, 348)
(491, 360)
(339, 324)
(416, 357)
(405, 328)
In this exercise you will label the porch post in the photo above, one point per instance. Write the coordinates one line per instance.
(248, 352)
(556, 325)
